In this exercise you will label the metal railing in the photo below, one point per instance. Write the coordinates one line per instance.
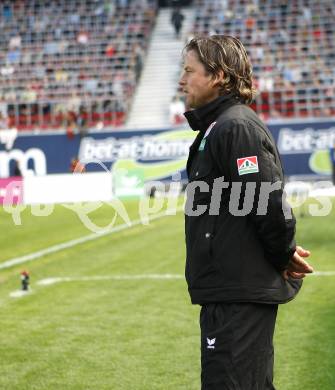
(102, 111)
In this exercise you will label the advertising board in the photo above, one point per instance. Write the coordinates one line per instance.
(11, 191)
(159, 154)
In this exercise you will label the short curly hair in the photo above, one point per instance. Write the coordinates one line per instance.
(226, 53)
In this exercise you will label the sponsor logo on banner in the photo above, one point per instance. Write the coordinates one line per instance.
(164, 146)
(305, 141)
(11, 191)
(247, 165)
(316, 143)
(33, 155)
(156, 156)
(8, 137)
(128, 183)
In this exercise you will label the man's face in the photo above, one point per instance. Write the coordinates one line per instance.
(198, 86)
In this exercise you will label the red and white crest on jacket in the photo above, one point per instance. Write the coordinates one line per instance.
(247, 165)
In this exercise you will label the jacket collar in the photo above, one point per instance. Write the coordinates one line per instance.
(202, 117)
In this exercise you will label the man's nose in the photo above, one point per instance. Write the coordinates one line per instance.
(181, 80)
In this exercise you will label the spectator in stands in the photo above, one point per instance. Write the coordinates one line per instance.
(71, 125)
(3, 118)
(110, 50)
(7, 12)
(29, 95)
(82, 38)
(91, 85)
(74, 103)
(15, 42)
(117, 86)
(82, 122)
(177, 19)
(266, 82)
(13, 56)
(138, 57)
(122, 3)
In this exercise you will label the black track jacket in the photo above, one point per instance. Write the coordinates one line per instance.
(236, 244)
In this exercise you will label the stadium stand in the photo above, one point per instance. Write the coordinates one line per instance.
(76, 64)
(292, 49)
(64, 62)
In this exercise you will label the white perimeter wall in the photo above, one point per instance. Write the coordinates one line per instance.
(67, 188)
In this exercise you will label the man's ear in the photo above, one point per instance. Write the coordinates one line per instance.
(218, 79)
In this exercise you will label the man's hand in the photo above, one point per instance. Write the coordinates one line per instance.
(297, 267)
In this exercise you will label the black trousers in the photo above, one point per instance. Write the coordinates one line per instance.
(236, 346)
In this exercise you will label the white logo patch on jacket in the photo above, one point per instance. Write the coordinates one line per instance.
(211, 343)
(247, 165)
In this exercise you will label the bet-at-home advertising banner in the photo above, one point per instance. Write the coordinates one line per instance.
(141, 156)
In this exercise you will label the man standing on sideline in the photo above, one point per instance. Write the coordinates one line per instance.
(241, 257)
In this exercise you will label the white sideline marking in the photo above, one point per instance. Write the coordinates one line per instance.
(49, 281)
(19, 293)
(54, 280)
(322, 273)
(69, 244)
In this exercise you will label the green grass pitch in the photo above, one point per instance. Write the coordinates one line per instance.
(139, 334)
